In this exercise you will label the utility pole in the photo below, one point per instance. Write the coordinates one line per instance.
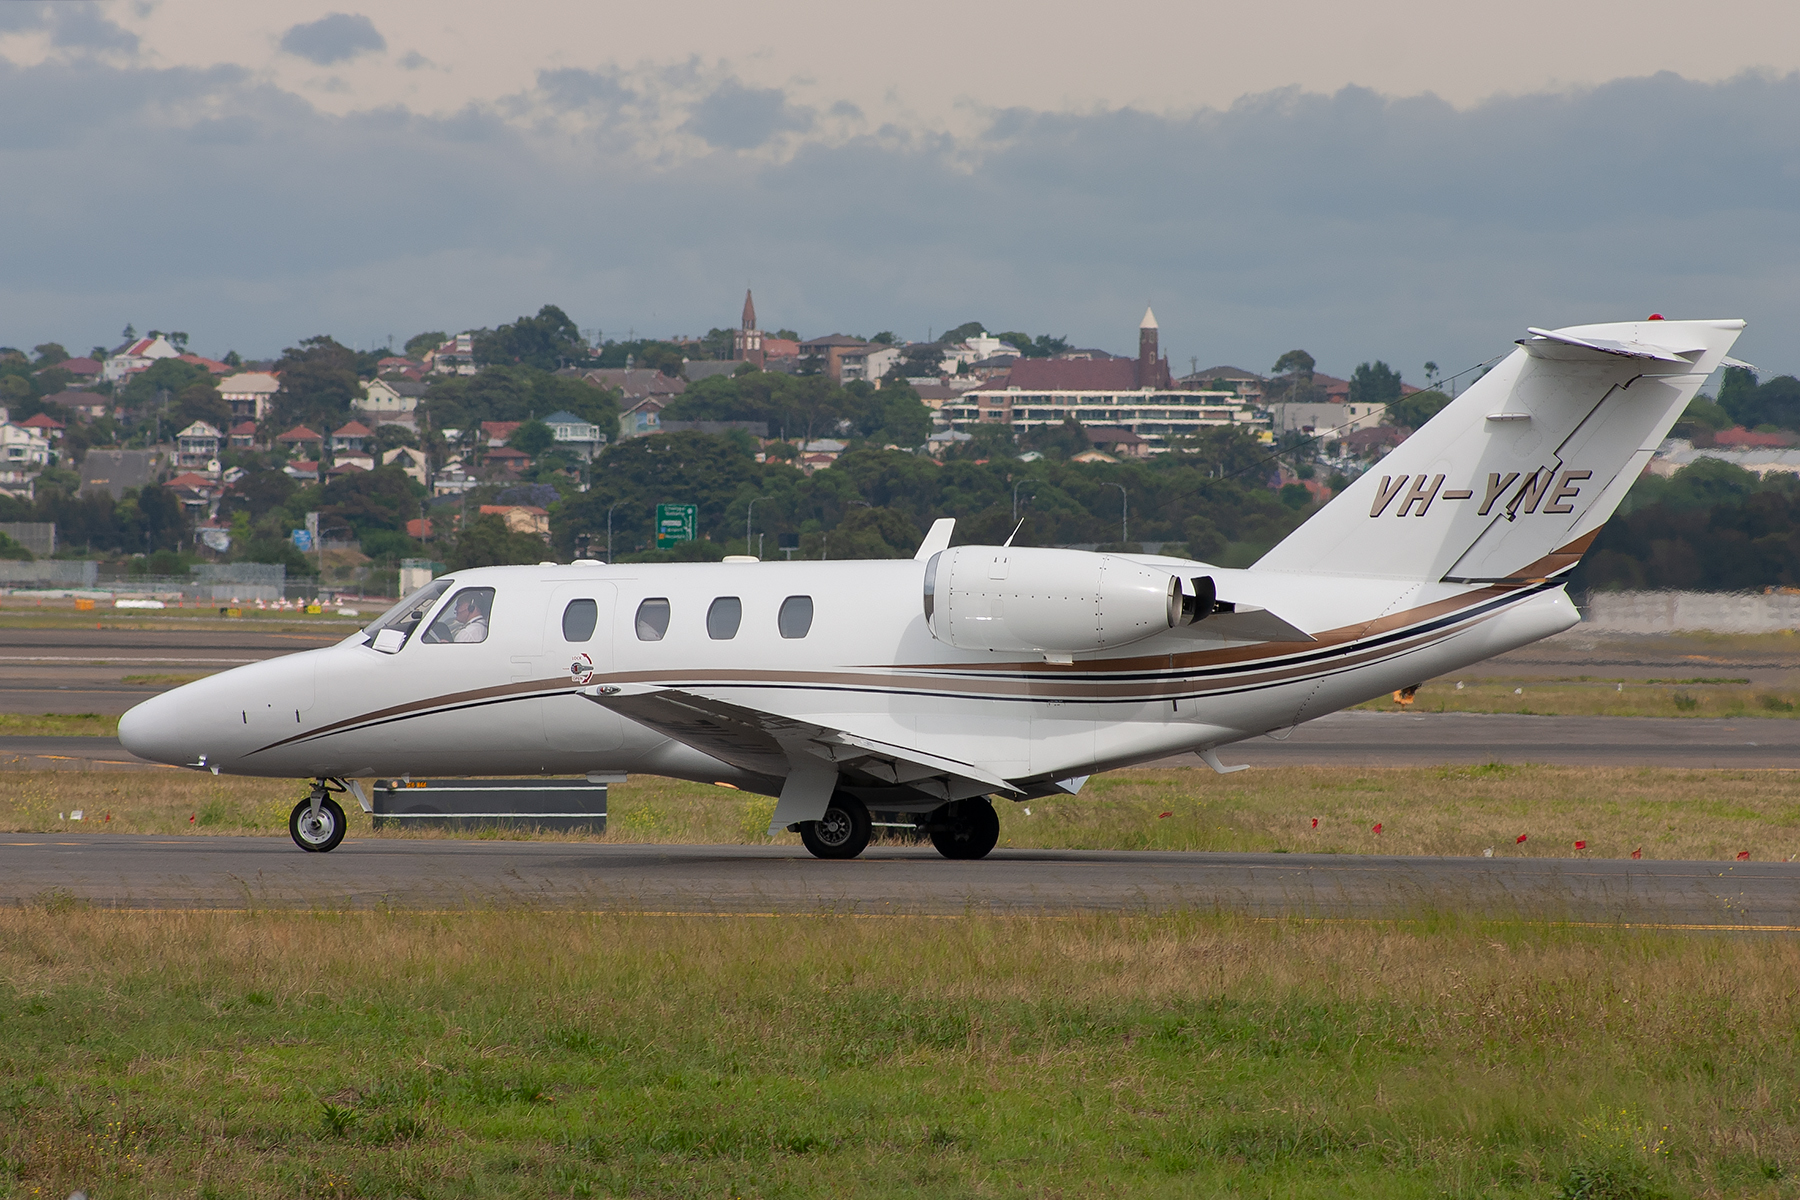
(1124, 527)
(748, 509)
(1016, 488)
(609, 552)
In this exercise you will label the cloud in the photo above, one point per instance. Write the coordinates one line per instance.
(1356, 225)
(333, 39)
(74, 24)
(735, 117)
(412, 60)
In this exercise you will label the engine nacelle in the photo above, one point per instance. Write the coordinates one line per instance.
(1055, 601)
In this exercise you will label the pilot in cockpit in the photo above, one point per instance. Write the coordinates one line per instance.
(467, 618)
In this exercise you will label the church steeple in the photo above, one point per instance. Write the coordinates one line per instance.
(1152, 370)
(747, 342)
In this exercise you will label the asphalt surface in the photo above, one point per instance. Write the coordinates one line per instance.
(236, 872)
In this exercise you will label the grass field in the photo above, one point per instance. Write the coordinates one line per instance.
(382, 1054)
(1441, 810)
(1598, 696)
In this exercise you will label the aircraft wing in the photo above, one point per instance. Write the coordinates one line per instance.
(778, 746)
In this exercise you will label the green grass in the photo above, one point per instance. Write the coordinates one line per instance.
(58, 725)
(1594, 696)
(523, 1053)
(1664, 813)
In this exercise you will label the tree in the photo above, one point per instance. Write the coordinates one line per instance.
(963, 332)
(487, 542)
(1737, 391)
(547, 341)
(1374, 383)
(516, 394)
(49, 354)
(886, 337)
(419, 343)
(318, 384)
(1293, 380)
(533, 437)
(1776, 402)
(385, 498)
(1413, 411)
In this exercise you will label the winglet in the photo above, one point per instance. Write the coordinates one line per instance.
(938, 539)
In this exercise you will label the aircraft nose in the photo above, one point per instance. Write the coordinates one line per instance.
(152, 730)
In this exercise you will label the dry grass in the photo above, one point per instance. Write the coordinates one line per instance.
(1709, 695)
(1668, 814)
(58, 725)
(523, 1053)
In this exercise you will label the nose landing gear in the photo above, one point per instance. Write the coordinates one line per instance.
(317, 822)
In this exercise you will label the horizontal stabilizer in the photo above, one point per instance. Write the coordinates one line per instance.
(1549, 343)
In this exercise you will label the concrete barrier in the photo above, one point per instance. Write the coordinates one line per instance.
(1701, 612)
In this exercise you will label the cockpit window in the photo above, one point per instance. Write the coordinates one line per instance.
(464, 619)
(579, 620)
(653, 619)
(390, 631)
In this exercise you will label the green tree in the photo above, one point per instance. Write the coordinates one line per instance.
(385, 498)
(517, 394)
(547, 341)
(533, 438)
(1293, 380)
(49, 354)
(487, 542)
(963, 332)
(319, 382)
(419, 343)
(1374, 383)
(1737, 392)
(1411, 412)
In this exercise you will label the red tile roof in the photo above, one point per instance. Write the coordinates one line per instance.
(419, 527)
(189, 479)
(298, 433)
(533, 509)
(1738, 436)
(42, 421)
(355, 429)
(243, 429)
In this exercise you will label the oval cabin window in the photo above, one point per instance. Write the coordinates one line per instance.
(579, 619)
(724, 617)
(653, 619)
(795, 620)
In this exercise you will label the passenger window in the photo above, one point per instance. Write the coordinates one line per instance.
(653, 619)
(724, 617)
(795, 620)
(579, 619)
(464, 619)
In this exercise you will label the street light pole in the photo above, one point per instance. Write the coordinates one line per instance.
(749, 509)
(1124, 526)
(1016, 488)
(609, 512)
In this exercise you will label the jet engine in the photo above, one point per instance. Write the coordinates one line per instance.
(1053, 601)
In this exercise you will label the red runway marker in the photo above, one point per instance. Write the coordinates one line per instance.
(1581, 845)
(1519, 841)
(1743, 856)
(1378, 827)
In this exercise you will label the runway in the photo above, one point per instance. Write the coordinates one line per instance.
(236, 873)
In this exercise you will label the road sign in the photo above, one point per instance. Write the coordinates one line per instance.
(303, 541)
(676, 523)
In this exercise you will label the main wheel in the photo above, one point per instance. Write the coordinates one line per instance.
(320, 833)
(965, 828)
(843, 832)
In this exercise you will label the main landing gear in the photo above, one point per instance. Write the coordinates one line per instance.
(960, 829)
(317, 822)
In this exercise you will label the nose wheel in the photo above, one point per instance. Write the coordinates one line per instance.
(317, 823)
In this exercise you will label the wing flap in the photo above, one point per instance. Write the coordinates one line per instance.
(770, 743)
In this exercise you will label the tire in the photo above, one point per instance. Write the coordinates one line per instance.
(321, 836)
(965, 829)
(843, 832)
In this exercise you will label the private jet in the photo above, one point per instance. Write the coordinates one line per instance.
(929, 686)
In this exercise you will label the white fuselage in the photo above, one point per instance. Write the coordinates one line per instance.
(868, 665)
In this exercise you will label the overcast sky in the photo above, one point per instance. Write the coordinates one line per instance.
(1398, 179)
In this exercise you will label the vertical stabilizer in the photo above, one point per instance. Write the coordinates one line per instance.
(1514, 478)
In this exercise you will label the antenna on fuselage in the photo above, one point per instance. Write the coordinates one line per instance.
(1014, 533)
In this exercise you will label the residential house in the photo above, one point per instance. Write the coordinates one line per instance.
(1328, 420)
(456, 356)
(250, 394)
(242, 436)
(1373, 441)
(112, 471)
(505, 463)
(642, 418)
(829, 353)
(24, 453)
(351, 445)
(636, 383)
(135, 356)
(45, 424)
(301, 440)
(453, 479)
(576, 434)
(706, 368)
(197, 447)
(198, 494)
(978, 348)
(409, 460)
(212, 365)
(89, 406)
(1119, 443)
(495, 434)
(521, 518)
(84, 369)
(301, 470)
(391, 402)
(395, 366)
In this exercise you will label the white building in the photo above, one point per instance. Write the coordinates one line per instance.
(250, 394)
(23, 454)
(407, 459)
(136, 356)
(197, 447)
(576, 433)
(391, 402)
(870, 363)
(455, 357)
(1326, 420)
(982, 345)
